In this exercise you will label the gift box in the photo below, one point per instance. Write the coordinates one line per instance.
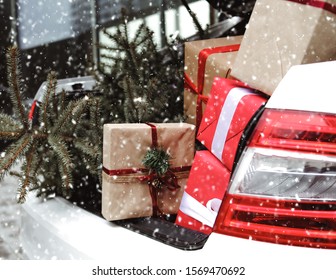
(129, 190)
(204, 192)
(229, 110)
(204, 60)
(281, 34)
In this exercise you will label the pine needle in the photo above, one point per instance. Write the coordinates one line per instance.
(48, 96)
(14, 152)
(26, 179)
(64, 160)
(14, 81)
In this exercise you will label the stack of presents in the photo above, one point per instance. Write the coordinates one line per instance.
(227, 82)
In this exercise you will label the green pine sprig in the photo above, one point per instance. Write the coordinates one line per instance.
(157, 161)
(146, 82)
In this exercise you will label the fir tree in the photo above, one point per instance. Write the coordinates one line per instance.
(66, 139)
(147, 83)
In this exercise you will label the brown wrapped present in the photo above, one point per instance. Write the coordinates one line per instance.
(129, 189)
(281, 34)
(204, 60)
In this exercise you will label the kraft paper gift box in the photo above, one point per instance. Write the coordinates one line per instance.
(204, 192)
(127, 191)
(229, 110)
(203, 60)
(283, 33)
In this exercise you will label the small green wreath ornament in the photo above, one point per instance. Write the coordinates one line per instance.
(157, 161)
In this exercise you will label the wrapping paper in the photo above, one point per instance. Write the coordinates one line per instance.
(203, 195)
(281, 34)
(204, 60)
(230, 108)
(125, 192)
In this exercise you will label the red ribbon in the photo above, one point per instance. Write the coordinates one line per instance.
(202, 58)
(126, 171)
(169, 179)
(140, 171)
(154, 135)
(317, 4)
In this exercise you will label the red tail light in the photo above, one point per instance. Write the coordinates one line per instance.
(284, 187)
(296, 130)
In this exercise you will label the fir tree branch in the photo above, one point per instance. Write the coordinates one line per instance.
(10, 128)
(107, 56)
(14, 78)
(108, 48)
(70, 115)
(142, 35)
(129, 48)
(105, 68)
(55, 103)
(10, 135)
(44, 136)
(64, 160)
(111, 37)
(130, 111)
(95, 116)
(26, 179)
(15, 174)
(124, 39)
(87, 148)
(7, 122)
(62, 101)
(14, 152)
(48, 168)
(139, 36)
(47, 98)
(36, 165)
(22, 194)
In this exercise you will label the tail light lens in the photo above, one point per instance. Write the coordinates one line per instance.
(284, 186)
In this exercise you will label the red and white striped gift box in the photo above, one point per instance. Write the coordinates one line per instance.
(229, 110)
(207, 183)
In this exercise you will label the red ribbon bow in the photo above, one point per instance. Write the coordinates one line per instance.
(169, 180)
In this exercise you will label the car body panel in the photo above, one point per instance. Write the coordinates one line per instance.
(87, 83)
(56, 229)
(308, 87)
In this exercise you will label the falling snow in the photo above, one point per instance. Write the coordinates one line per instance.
(66, 21)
